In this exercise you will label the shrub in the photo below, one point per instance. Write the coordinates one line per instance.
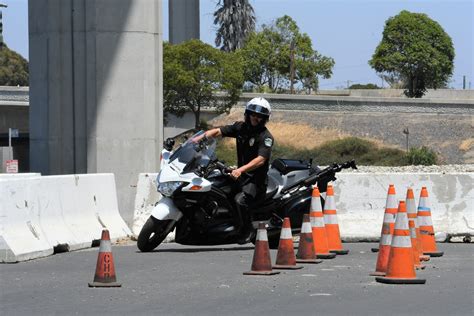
(364, 86)
(421, 156)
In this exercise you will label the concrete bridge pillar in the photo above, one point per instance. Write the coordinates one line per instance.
(183, 20)
(96, 89)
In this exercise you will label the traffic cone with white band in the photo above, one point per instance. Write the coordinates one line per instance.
(411, 211)
(414, 241)
(331, 223)
(387, 232)
(286, 254)
(320, 239)
(261, 263)
(401, 269)
(105, 269)
(426, 226)
(306, 248)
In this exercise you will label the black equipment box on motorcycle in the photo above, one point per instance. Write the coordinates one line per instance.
(287, 165)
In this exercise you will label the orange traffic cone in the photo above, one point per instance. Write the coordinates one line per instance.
(261, 263)
(414, 241)
(411, 211)
(401, 268)
(426, 226)
(320, 238)
(105, 269)
(389, 220)
(286, 255)
(331, 224)
(387, 232)
(306, 248)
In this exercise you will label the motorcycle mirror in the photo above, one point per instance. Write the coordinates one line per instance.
(168, 144)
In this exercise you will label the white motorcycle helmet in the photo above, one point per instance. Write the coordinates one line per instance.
(259, 106)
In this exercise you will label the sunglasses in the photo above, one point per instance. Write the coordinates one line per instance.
(259, 116)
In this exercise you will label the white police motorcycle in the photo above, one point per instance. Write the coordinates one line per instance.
(198, 196)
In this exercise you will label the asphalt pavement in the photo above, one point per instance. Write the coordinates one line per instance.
(190, 280)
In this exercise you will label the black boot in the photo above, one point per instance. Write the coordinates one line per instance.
(248, 232)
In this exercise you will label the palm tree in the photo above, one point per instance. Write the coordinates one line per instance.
(236, 20)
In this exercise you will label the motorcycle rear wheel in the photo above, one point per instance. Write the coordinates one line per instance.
(153, 233)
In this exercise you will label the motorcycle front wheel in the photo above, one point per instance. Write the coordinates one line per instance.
(153, 233)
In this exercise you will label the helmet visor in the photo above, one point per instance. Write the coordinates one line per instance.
(258, 109)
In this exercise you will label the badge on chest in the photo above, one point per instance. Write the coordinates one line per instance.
(251, 141)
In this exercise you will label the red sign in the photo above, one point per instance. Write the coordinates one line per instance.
(12, 166)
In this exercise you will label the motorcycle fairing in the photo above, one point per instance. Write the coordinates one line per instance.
(165, 210)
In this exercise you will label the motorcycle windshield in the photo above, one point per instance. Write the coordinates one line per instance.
(191, 154)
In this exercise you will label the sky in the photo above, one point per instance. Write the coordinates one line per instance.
(346, 30)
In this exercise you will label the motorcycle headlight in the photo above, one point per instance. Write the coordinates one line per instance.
(168, 188)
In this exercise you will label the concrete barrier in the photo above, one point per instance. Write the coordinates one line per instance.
(21, 236)
(145, 200)
(360, 199)
(7, 176)
(360, 202)
(98, 195)
(57, 213)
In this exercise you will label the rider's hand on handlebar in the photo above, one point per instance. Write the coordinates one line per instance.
(197, 139)
(235, 174)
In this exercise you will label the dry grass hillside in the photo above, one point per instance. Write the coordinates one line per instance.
(299, 136)
(448, 135)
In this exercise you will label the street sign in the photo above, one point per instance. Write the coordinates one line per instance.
(12, 166)
(14, 133)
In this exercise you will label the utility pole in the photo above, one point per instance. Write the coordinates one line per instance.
(464, 82)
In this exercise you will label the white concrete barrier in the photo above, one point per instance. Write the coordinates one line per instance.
(97, 194)
(21, 236)
(145, 200)
(58, 213)
(9, 176)
(360, 201)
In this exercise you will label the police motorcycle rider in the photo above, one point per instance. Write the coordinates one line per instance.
(254, 147)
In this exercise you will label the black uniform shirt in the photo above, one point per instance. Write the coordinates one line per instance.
(251, 143)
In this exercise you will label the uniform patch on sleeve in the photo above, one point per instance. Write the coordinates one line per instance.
(268, 142)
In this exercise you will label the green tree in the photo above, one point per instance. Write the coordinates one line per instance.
(236, 20)
(193, 71)
(417, 50)
(13, 68)
(260, 55)
(271, 55)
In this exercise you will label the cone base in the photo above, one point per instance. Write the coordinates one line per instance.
(424, 258)
(287, 267)
(261, 272)
(340, 252)
(308, 260)
(388, 280)
(326, 255)
(100, 284)
(374, 249)
(378, 273)
(434, 253)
